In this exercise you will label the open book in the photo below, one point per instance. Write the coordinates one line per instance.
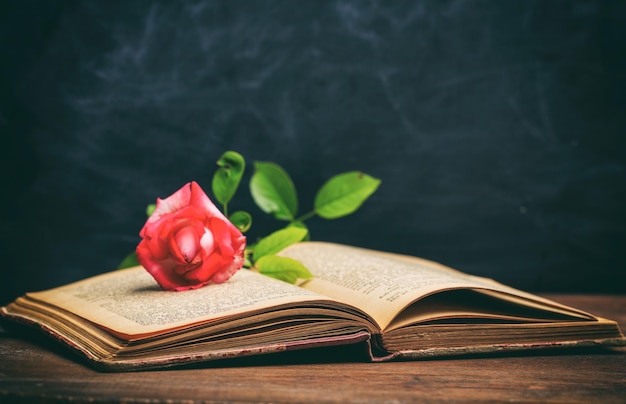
(399, 307)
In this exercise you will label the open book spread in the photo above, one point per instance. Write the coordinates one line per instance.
(397, 306)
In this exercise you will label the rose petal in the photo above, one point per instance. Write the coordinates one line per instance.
(199, 199)
(229, 271)
(211, 264)
(172, 203)
(207, 242)
(189, 214)
(161, 271)
(188, 243)
(222, 235)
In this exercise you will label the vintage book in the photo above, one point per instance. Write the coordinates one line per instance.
(398, 307)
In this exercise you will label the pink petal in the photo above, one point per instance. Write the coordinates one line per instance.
(156, 246)
(207, 241)
(187, 243)
(200, 199)
(211, 264)
(222, 235)
(229, 271)
(161, 271)
(172, 203)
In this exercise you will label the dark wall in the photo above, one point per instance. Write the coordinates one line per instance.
(497, 128)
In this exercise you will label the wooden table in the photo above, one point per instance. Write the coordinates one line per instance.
(34, 369)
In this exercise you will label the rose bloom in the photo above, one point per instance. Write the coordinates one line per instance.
(187, 242)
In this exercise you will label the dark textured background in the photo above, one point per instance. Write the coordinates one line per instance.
(496, 127)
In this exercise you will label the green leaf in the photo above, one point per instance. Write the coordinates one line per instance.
(283, 268)
(273, 191)
(344, 193)
(300, 225)
(129, 261)
(277, 241)
(150, 209)
(242, 220)
(226, 179)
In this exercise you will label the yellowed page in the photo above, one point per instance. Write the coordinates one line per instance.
(380, 284)
(500, 290)
(130, 302)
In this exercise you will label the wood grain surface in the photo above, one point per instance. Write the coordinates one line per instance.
(35, 369)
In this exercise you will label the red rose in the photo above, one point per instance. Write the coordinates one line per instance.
(187, 242)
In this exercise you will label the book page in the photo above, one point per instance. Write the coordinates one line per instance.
(130, 302)
(381, 284)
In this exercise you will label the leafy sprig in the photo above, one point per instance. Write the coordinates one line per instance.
(274, 192)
